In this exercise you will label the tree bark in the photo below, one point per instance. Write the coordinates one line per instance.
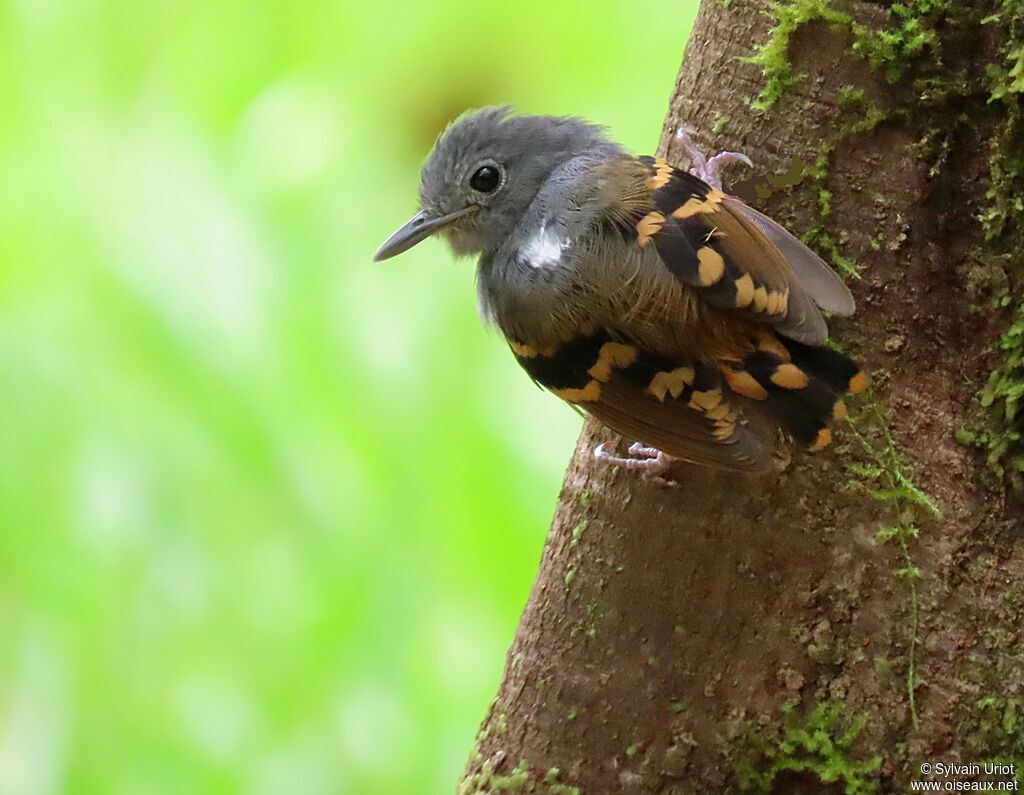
(822, 629)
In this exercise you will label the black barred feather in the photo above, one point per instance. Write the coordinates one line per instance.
(749, 262)
(836, 369)
(802, 411)
(680, 406)
(566, 367)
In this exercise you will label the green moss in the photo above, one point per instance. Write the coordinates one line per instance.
(886, 471)
(996, 732)
(908, 34)
(819, 744)
(556, 788)
(907, 39)
(773, 55)
(486, 781)
(1003, 432)
(578, 531)
(516, 780)
(573, 713)
(857, 116)
(570, 576)
(595, 612)
(1006, 87)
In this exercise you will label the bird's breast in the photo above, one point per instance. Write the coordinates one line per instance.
(533, 291)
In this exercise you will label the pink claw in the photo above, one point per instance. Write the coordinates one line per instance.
(708, 170)
(648, 460)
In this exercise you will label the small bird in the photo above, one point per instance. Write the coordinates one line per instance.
(640, 293)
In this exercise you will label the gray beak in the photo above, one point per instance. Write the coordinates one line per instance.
(419, 227)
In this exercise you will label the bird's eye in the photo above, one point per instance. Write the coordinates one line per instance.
(485, 179)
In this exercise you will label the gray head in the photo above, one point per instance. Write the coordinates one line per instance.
(484, 171)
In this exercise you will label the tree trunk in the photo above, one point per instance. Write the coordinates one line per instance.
(856, 615)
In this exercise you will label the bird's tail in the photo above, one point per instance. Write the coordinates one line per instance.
(801, 385)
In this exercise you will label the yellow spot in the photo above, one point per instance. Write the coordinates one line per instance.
(823, 440)
(777, 302)
(839, 410)
(529, 351)
(789, 376)
(706, 400)
(695, 205)
(591, 392)
(719, 412)
(771, 344)
(662, 176)
(857, 384)
(672, 382)
(648, 226)
(724, 430)
(744, 290)
(712, 266)
(743, 383)
(760, 299)
(612, 354)
(519, 349)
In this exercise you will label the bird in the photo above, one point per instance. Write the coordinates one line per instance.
(639, 292)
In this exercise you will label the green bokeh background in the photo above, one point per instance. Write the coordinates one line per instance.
(268, 512)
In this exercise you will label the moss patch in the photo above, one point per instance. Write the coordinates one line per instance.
(1001, 432)
(816, 745)
(773, 55)
(907, 39)
(1001, 436)
(486, 782)
(998, 735)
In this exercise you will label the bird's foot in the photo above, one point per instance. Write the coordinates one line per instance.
(709, 170)
(649, 460)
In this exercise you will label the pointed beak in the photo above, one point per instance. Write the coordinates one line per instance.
(419, 227)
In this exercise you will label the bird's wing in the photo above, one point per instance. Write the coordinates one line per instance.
(681, 407)
(736, 258)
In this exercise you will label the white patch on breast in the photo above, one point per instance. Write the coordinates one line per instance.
(544, 249)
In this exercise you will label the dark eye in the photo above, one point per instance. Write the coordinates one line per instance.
(485, 179)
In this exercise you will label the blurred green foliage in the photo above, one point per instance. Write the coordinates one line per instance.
(269, 511)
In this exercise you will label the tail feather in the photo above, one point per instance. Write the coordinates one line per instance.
(801, 386)
(836, 369)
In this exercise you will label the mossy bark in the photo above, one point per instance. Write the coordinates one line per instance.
(859, 612)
